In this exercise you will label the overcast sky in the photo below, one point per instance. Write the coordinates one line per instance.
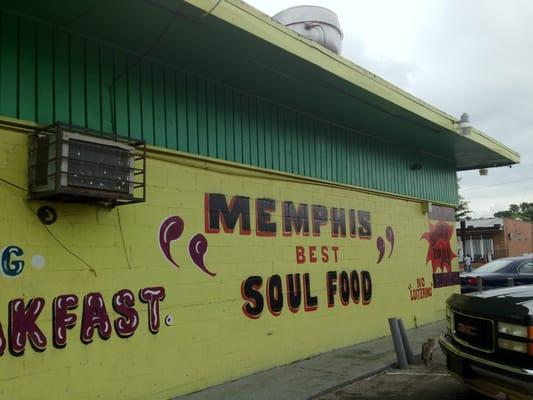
(474, 56)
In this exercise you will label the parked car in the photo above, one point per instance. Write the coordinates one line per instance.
(489, 344)
(497, 273)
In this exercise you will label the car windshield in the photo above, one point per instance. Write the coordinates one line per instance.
(493, 266)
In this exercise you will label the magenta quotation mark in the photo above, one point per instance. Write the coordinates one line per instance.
(170, 230)
(198, 250)
(380, 244)
(389, 233)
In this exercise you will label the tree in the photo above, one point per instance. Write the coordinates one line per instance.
(463, 209)
(522, 211)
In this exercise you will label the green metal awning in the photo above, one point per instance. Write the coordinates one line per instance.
(231, 42)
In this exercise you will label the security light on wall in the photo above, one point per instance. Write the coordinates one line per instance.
(483, 172)
(465, 127)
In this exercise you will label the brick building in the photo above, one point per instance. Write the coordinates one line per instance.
(490, 238)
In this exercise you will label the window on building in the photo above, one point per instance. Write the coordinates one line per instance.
(481, 248)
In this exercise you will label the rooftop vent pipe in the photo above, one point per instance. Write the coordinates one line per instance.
(315, 23)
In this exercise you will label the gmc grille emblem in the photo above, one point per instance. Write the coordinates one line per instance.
(467, 329)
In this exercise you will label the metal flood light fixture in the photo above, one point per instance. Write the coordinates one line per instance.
(465, 127)
(483, 172)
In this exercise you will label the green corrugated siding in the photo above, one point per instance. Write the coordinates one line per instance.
(49, 75)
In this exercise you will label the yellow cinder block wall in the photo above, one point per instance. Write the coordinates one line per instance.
(209, 340)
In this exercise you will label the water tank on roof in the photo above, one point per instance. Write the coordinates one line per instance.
(315, 23)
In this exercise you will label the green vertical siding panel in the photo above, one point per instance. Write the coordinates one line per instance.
(383, 161)
(245, 110)
(370, 162)
(357, 143)
(254, 147)
(285, 134)
(282, 142)
(260, 134)
(427, 175)
(267, 117)
(147, 103)
(181, 110)
(378, 165)
(120, 90)
(379, 160)
(170, 109)
(61, 77)
(107, 88)
(92, 82)
(330, 143)
(158, 105)
(328, 161)
(325, 162)
(134, 100)
(402, 170)
(334, 155)
(211, 120)
(228, 105)
(349, 158)
(201, 116)
(27, 71)
(289, 137)
(302, 128)
(295, 141)
(365, 178)
(298, 134)
(192, 115)
(391, 170)
(319, 150)
(45, 74)
(77, 81)
(313, 152)
(237, 127)
(372, 156)
(341, 155)
(352, 158)
(276, 146)
(9, 67)
(221, 122)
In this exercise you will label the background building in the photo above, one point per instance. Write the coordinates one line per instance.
(288, 202)
(490, 238)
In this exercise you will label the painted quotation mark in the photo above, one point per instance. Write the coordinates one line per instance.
(170, 230)
(197, 251)
(380, 244)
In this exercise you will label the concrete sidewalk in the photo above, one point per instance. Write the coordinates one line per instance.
(315, 376)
